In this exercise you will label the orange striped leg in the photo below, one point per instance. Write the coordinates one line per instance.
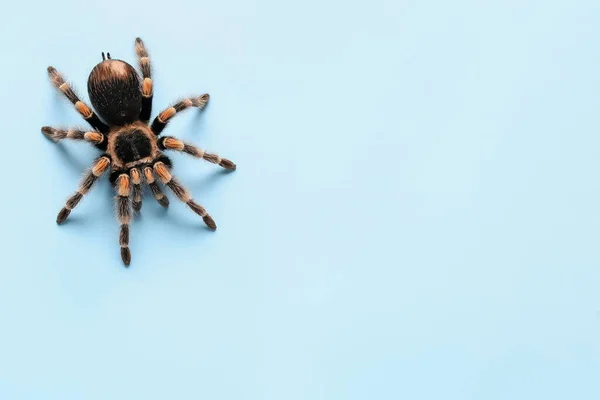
(162, 199)
(144, 64)
(163, 118)
(123, 215)
(162, 171)
(172, 143)
(136, 189)
(98, 168)
(93, 137)
(87, 113)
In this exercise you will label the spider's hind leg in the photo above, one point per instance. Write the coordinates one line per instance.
(59, 82)
(144, 64)
(161, 121)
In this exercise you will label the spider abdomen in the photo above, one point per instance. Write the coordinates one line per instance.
(115, 92)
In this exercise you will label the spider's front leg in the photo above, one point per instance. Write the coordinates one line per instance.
(98, 168)
(123, 215)
(59, 82)
(163, 118)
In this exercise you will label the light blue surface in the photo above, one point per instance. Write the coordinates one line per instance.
(415, 215)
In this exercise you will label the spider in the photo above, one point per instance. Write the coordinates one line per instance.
(132, 148)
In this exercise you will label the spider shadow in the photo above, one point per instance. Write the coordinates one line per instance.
(208, 182)
(73, 221)
(138, 215)
(192, 223)
(74, 163)
(62, 110)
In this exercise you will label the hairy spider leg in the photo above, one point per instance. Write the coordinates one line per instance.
(123, 215)
(145, 67)
(172, 143)
(163, 173)
(157, 192)
(136, 189)
(95, 138)
(59, 82)
(160, 122)
(98, 168)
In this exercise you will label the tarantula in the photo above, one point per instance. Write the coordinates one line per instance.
(132, 148)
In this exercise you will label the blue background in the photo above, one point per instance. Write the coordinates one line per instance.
(415, 215)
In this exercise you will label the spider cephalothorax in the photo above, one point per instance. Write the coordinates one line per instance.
(132, 149)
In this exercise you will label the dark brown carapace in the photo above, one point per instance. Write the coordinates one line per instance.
(132, 148)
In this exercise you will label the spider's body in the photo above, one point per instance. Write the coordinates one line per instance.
(133, 149)
(131, 145)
